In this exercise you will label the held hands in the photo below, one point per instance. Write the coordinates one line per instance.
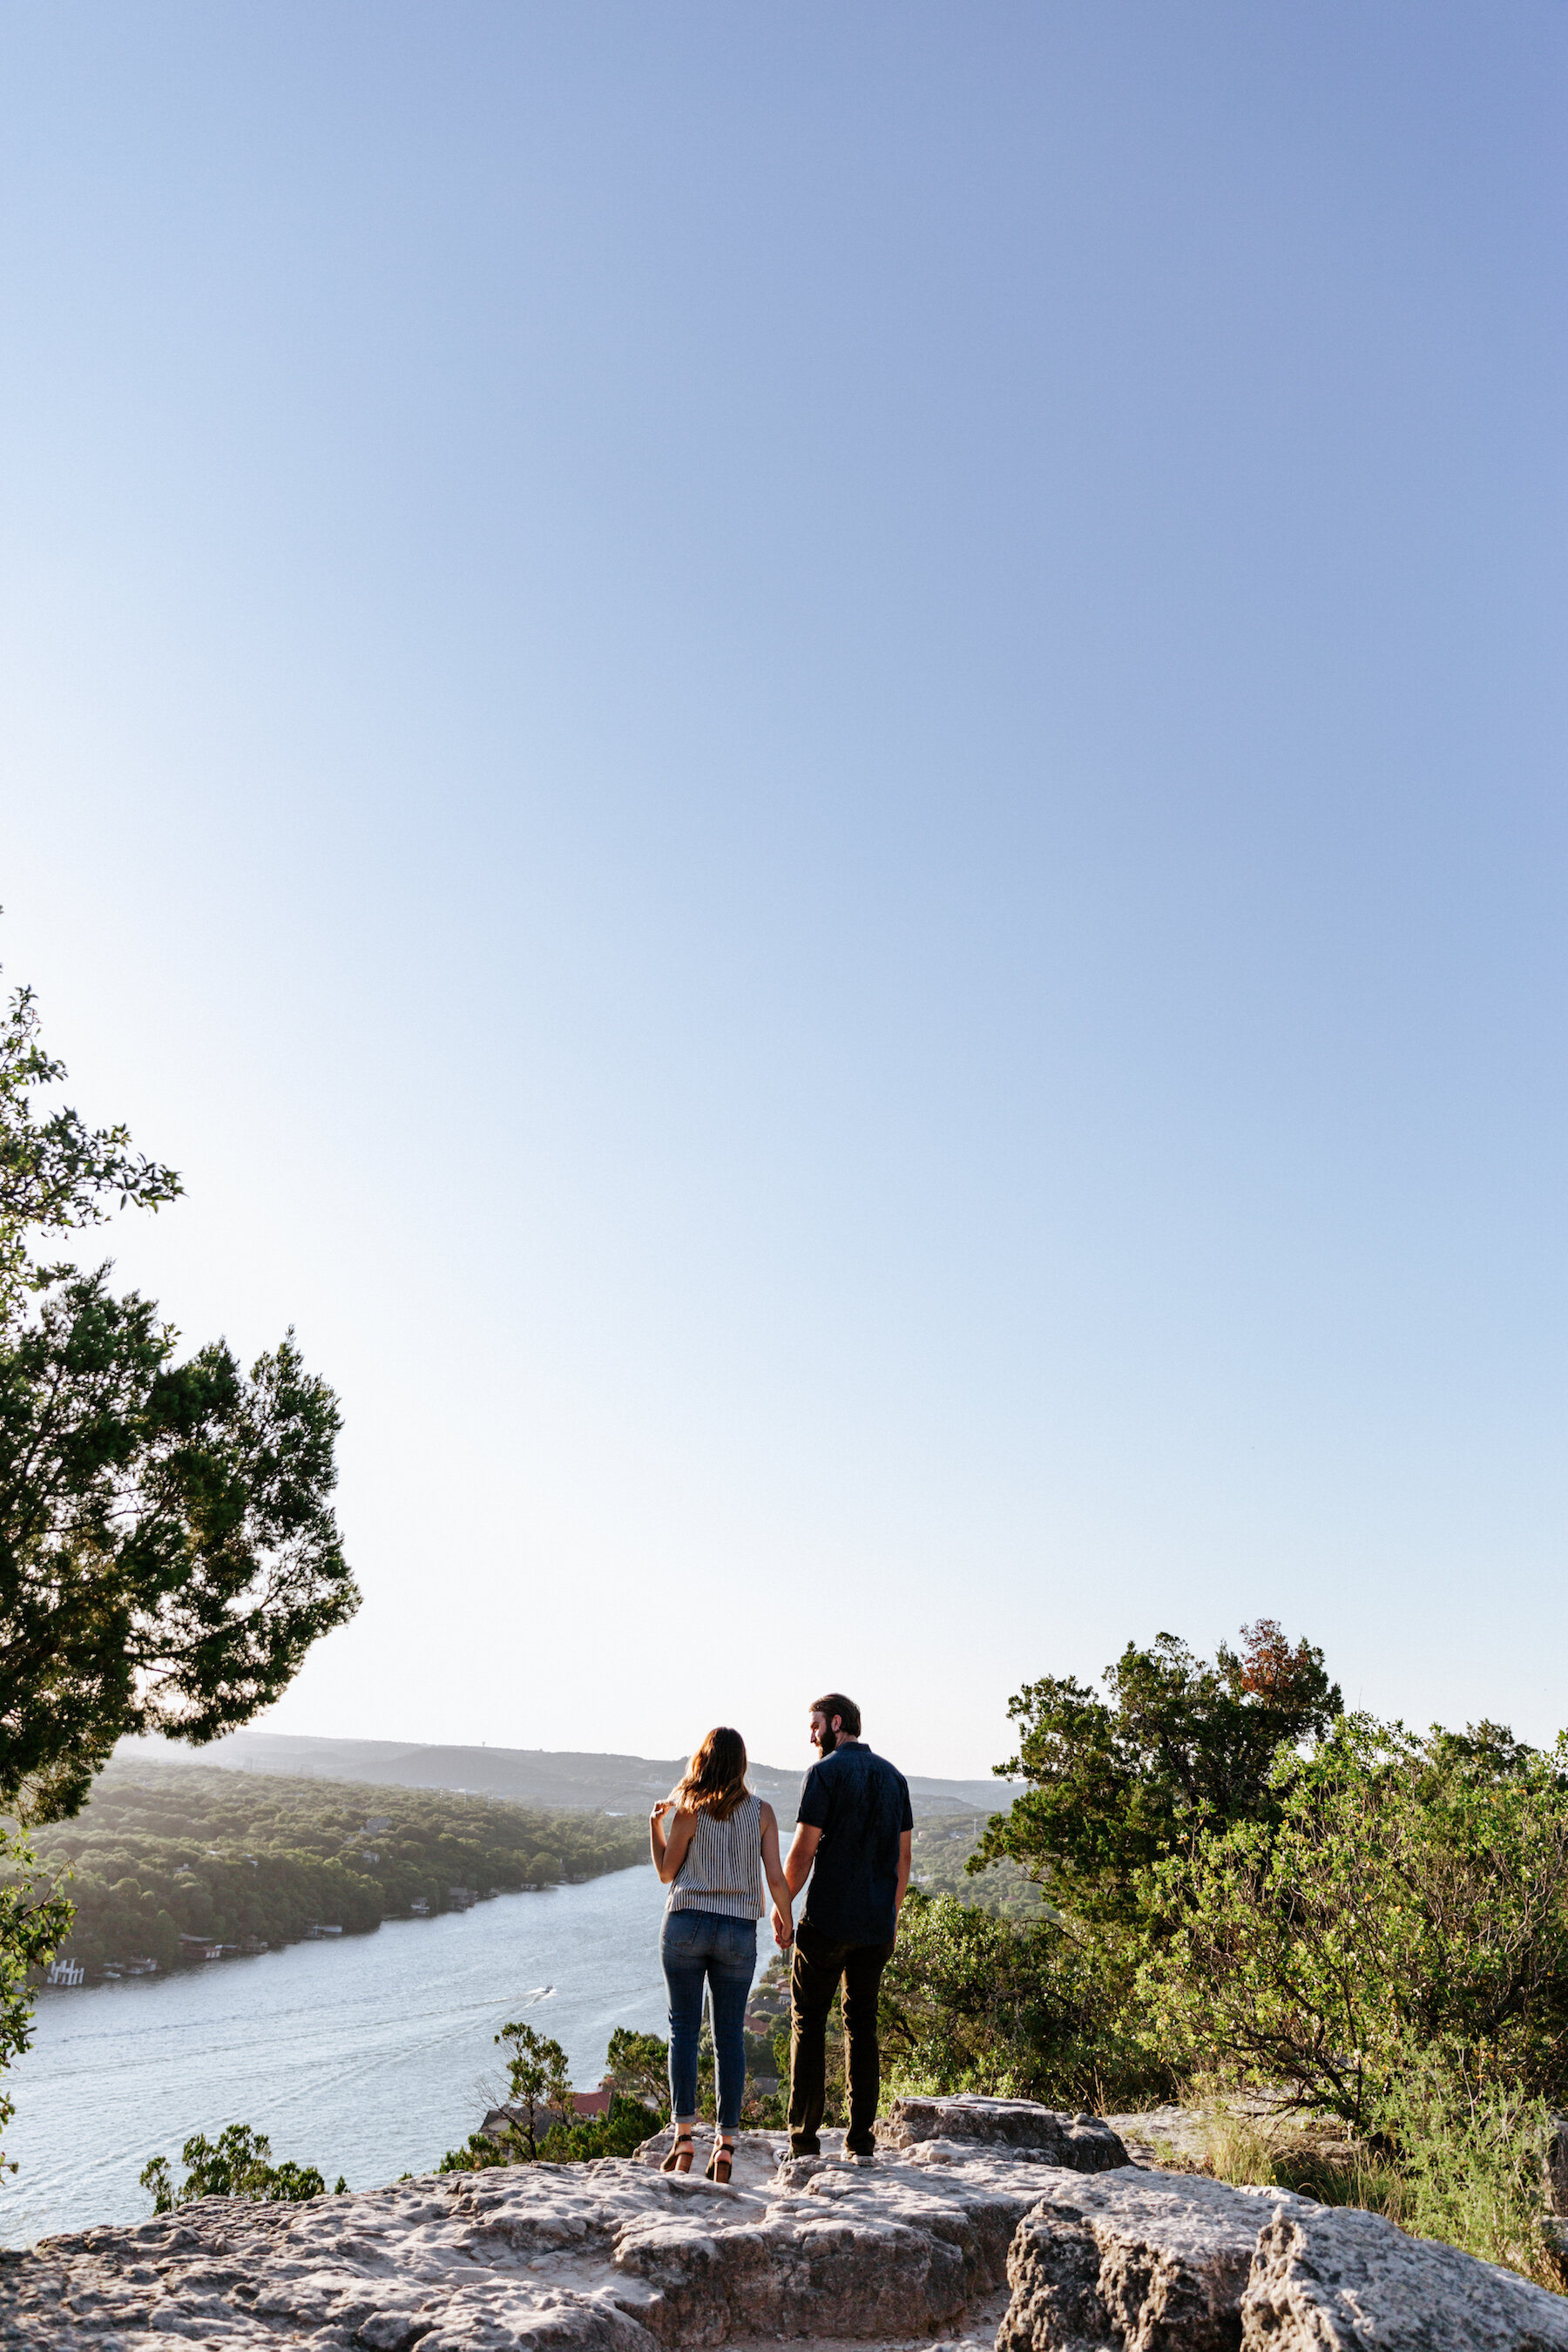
(783, 1934)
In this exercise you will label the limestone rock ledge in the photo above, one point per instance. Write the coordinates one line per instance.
(968, 2197)
(1149, 2262)
(607, 2257)
(1081, 2143)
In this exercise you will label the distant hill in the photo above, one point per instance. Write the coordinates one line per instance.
(557, 1778)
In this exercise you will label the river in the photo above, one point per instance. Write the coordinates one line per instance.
(369, 2056)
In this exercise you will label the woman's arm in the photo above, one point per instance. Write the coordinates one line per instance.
(670, 1851)
(778, 1884)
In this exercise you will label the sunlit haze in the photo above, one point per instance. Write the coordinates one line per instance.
(811, 760)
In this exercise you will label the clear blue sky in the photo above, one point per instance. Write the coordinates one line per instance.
(812, 759)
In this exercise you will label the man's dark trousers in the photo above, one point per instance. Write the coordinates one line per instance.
(815, 1973)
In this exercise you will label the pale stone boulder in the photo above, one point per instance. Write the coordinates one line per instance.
(1079, 2142)
(1149, 2262)
(616, 2257)
(1330, 2278)
(1144, 2261)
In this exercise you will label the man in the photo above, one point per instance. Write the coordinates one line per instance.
(854, 1824)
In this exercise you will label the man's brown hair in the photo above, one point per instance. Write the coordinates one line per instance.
(848, 1713)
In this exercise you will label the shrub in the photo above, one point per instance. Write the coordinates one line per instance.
(1472, 2167)
(239, 2163)
(1031, 2010)
(620, 2133)
(1409, 1895)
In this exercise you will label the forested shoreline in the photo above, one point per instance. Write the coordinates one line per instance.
(167, 1862)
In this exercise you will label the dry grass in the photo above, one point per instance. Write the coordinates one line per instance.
(1480, 2192)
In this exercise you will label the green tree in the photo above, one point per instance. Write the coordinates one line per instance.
(1049, 2006)
(1115, 1784)
(540, 2089)
(239, 2163)
(539, 2077)
(639, 2068)
(55, 1173)
(1024, 2009)
(34, 1919)
(168, 1552)
(167, 1546)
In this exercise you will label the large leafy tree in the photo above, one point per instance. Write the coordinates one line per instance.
(168, 1552)
(1114, 1786)
(1177, 1744)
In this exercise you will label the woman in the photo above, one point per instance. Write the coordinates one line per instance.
(711, 1857)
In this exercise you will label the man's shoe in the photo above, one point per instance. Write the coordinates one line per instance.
(855, 2158)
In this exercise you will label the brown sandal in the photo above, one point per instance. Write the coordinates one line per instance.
(720, 2161)
(682, 2147)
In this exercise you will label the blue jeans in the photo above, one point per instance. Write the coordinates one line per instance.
(700, 1947)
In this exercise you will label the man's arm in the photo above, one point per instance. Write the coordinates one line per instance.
(800, 1855)
(906, 1840)
(796, 1871)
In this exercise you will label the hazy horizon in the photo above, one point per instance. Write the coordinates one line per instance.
(236, 1751)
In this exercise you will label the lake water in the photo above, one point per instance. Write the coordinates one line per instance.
(369, 2057)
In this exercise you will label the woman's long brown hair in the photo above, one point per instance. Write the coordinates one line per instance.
(715, 1779)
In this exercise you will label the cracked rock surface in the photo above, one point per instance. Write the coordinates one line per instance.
(1136, 2260)
(1081, 2143)
(1332, 2280)
(612, 2254)
(1149, 2262)
(970, 2231)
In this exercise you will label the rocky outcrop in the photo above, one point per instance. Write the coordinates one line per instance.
(1141, 2261)
(609, 2257)
(1079, 2142)
(968, 2196)
(1138, 2260)
(1326, 2279)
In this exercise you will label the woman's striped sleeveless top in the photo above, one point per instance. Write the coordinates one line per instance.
(722, 1867)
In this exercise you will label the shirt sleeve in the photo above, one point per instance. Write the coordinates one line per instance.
(906, 1817)
(813, 1808)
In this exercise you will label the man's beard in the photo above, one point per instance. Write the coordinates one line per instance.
(827, 1742)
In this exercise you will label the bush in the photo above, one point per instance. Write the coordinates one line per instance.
(620, 2133)
(1472, 2167)
(1035, 2010)
(1467, 2168)
(239, 2163)
(1409, 1895)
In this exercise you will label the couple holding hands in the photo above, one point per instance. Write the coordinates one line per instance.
(713, 1844)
